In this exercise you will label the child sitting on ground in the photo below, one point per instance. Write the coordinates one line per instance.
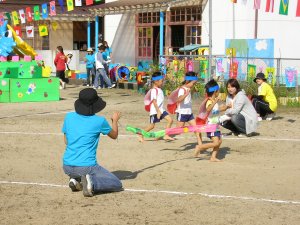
(212, 106)
(157, 112)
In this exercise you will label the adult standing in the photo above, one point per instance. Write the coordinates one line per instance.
(107, 56)
(90, 66)
(240, 114)
(60, 64)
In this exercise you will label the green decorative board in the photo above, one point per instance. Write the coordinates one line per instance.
(20, 69)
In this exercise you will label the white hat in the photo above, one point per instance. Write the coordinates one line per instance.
(99, 45)
(89, 50)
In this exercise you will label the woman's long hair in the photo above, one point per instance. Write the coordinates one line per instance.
(233, 83)
(60, 48)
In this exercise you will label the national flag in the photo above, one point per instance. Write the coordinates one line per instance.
(61, 3)
(256, 4)
(44, 11)
(298, 9)
(28, 14)
(70, 5)
(18, 30)
(15, 17)
(78, 3)
(22, 16)
(36, 10)
(52, 8)
(30, 31)
(270, 6)
(43, 30)
(284, 7)
(1, 19)
(89, 2)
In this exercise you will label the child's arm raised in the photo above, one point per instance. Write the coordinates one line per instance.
(114, 132)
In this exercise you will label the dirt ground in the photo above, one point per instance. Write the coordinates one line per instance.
(258, 181)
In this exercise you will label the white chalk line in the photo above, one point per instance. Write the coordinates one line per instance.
(177, 137)
(168, 192)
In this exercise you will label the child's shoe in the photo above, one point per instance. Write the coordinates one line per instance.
(75, 185)
(270, 116)
(259, 119)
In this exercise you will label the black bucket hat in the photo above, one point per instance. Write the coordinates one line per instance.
(89, 103)
(260, 76)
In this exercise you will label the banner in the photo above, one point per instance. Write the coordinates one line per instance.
(256, 4)
(44, 11)
(290, 77)
(70, 5)
(89, 2)
(270, 6)
(54, 25)
(284, 7)
(78, 3)
(251, 72)
(28, 14)
(18, 30)
(36, 10)
(30, 31)
(15, 17)
(8, 16)
(22, 15)
(61, 3)
(52, 8)
(270, 75)
(298, 9)
(43, 30)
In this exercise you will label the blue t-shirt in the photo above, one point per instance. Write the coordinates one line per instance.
(83, 133)
(90, 60)
(106, 54)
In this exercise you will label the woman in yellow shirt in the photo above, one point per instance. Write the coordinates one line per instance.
(265, 103)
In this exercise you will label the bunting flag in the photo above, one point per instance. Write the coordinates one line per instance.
(30, 31)
(70, 5)
(256, 4)
(61, 3)
(98, 0)
(43, 30)
(44, 11)
(1, 19)
(22, 15)
(284, 7)
(298, 9)
(18, 30)
(15, 17)
(36, 10)
(89, 2)
(78, 3)
(52, 8)
(54, 25)
(28, 14)
(270, 6)
(8, 16)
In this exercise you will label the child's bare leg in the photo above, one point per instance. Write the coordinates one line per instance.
(147, 129)
(198, 135)
(169, 124)
(216, 149)
(200, 148)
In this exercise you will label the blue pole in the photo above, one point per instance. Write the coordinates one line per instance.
(161, 33)
(88, 34)
(96, 33)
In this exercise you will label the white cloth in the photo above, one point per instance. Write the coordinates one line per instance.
(157, 93)
(185, 107)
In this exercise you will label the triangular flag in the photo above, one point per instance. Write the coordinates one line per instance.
(18, 30)
(30, 31)
(256, 4)
(1, 19)
(61, 3)
(43, 30)
(298, 9)
(89, 2)
(36, 10)
(15, 17)
(8, 16)
(22, 16)
(28, 14)
(44, 11)
(70, 5)
(78, 3)
(270, 6)
(54, 25)
(52, 8)
(284, 7)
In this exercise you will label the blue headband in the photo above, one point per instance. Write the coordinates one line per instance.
(157, 78)
(214, 88)
(191, 78)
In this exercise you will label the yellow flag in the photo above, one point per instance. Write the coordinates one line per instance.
(15, 17)
(70, 5)
(43, 30)
(54, 25)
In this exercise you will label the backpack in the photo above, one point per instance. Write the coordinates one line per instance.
(201, 119)
(172, 101)
(148, 101)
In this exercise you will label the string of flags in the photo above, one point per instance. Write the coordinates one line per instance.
(40, 12)
(283, 7)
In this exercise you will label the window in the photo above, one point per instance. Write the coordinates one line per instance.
(185, 14)
(193, 35)
(149, 17)
(145, 42)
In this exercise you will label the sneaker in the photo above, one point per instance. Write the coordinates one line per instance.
(259, 119)
(64, 85)
(99, 87)
(113, 85)
(87, 186)
(75, 185)
(60, 87)
(87, 85)
(270, 116)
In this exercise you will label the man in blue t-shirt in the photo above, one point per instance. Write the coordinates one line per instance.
(82, 130)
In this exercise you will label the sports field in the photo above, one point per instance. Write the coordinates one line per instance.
(258, 181)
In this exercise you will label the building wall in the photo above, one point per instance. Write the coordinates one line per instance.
(62, 36)
(237, 21)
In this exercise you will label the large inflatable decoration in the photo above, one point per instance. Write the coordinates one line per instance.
(6, 41)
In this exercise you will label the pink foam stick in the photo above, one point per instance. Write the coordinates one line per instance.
(197, 128)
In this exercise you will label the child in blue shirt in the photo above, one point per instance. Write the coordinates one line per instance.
(90, 66)
(82, 130)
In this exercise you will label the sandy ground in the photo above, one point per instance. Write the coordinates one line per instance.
(163, 183)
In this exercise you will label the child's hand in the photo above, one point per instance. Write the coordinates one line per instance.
(116, 116)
